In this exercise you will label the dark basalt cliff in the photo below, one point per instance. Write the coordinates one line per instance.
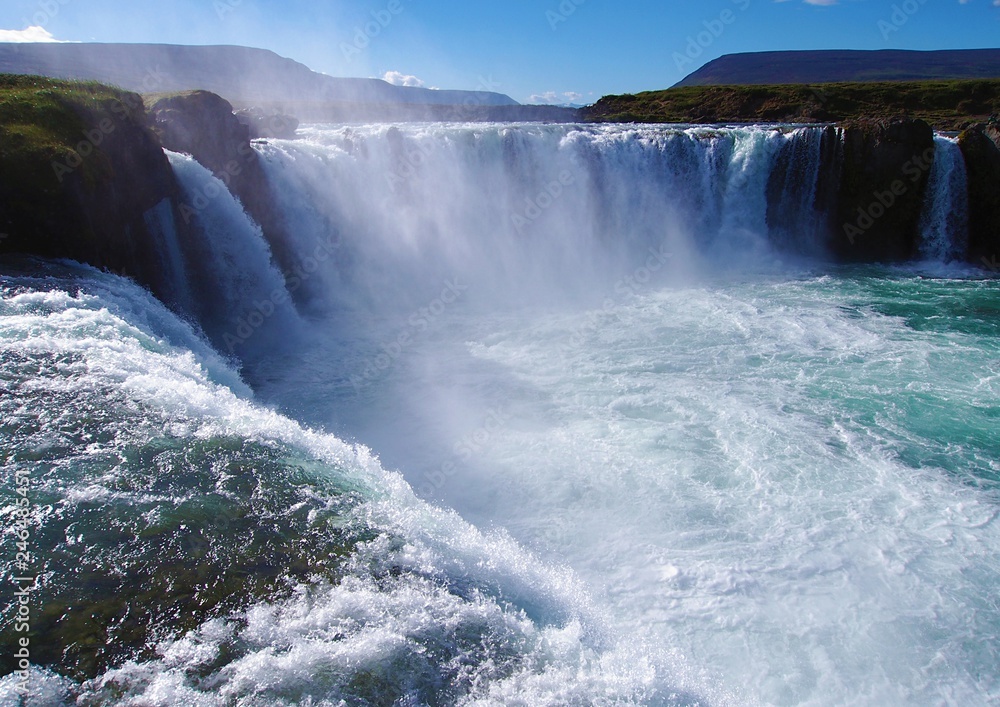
(981, 149)
(871, 182)
(884, 169)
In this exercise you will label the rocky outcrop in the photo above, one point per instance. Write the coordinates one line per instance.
(884, 169)
(265, 124)
(981, 149)
(204, 126)
(89, 182)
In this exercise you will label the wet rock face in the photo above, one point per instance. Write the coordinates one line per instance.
(884, 170)
(981, 148)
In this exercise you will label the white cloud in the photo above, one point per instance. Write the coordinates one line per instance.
(555, 99)
(547, 97)
(24, 36)
(397, 78)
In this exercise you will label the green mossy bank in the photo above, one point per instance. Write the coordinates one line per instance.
(945, 105)
(82, 176)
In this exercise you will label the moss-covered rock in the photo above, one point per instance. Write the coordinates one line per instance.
(981, 149)
(80, 174)
(204, 126)
(264, 123)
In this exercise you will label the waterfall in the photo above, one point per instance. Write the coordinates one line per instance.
(793, 216)
(944, 221)
(412, 493)
(380, 218)
(160, 222)
(242, 299)
(523, 210)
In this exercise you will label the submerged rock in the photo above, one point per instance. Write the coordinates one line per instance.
(139, 536)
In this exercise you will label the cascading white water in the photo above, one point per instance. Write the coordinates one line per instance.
(744, 203)
(794, 217)
(242, 295)
(944, 221)
(524, 211)
(160, 222)
(718, 462)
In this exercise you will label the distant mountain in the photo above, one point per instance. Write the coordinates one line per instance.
(242, 75)
(845, 66)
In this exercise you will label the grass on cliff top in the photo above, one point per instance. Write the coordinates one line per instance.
(44, 120)
(947, 105)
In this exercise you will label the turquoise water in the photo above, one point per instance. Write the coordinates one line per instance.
(773, 489)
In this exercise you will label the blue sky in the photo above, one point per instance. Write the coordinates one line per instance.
(533, 50)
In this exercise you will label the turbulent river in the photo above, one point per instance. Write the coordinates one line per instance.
(540, 415)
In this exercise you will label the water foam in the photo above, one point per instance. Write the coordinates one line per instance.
(429, 605)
